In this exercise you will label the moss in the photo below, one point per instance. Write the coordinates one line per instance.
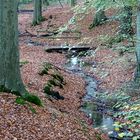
(58, 77)
(55, 95)
(20, 100)
(28, 97)
(4, 89)
(34, 23)
(22, 63)
(46, 67)
(32, 98)
(55, 82)
(47, 89)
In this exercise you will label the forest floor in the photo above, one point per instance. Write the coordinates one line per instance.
(61, 119)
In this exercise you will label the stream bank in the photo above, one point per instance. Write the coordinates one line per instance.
(98, 112)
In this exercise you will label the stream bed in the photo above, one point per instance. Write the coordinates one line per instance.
(95, 110)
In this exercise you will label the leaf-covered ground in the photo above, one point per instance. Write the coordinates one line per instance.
(60, 119)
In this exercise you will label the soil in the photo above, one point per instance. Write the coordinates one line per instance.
(61, 119)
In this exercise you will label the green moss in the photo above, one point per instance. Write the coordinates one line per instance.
(51, 93)
(46, 67)
(26, 97)
(47, 89)
(58, 77)
(32, 98)
(34, 23)
(55, 82)
(20, 100)
(4, 89)
(22, 63)
(55, 95)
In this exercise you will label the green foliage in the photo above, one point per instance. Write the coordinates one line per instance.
(22, 63)
(32, 98)
(46, 67)
(27, 96)
(128, 113)
(22, 101)
(110, 40)
(56, 80)
(3, 89)
(58, 77)
(47, 89)
(122, 49)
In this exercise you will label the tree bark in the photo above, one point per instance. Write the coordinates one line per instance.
(37, 17)
(137, 75)
(10, 78)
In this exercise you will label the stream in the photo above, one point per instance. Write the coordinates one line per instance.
(94, 109)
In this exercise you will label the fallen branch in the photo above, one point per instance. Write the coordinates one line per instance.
(60, 37)
(25, 11)
(67, 48)
(49, 35)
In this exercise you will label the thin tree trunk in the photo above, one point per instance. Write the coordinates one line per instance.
(10, 78)
(137, 75)
(37, 18)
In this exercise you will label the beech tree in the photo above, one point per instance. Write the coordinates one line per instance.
(10, 77)
(37, 17)
(137, 75)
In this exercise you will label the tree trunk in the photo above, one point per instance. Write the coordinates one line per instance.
(137, 75)
(72, 3)
(126, 21)
(10, 78)
(99, 18)
(37, 18)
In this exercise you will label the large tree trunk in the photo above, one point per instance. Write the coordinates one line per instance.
(10, 78)
(37, 18)
(137, 75)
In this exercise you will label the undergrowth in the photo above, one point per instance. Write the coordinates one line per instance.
(127, 111)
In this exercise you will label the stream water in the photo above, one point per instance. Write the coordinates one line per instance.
(95, 112)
